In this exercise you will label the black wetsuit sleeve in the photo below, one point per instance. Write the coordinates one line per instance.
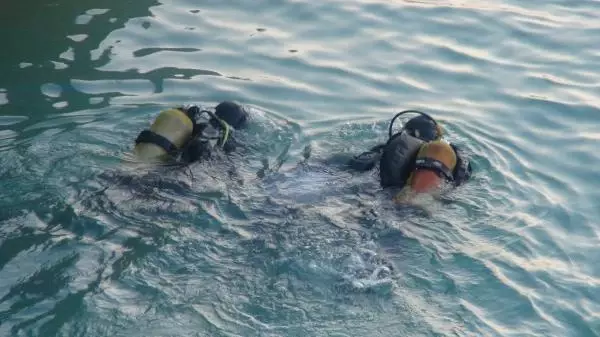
(196, 150)
(366, 160)
(462, 171)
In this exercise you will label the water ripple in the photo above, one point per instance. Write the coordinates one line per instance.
(270, 247)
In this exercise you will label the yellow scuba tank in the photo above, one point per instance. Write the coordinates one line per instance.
(171, 130)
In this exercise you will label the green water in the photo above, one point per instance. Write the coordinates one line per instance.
(229, 249)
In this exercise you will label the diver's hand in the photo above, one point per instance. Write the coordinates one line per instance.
(366, 160)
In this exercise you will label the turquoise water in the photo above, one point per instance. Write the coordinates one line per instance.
(231, 249)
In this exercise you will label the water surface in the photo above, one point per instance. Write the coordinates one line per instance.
(232, 249)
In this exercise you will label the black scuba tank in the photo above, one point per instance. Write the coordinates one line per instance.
(397, 159)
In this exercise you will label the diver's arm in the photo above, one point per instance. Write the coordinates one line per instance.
(363, 162)
(344, 161)
(366, 160)
(462, 171)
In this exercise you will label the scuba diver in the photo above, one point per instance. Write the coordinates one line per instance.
(188, 134)
(162, 154)
(415, 159)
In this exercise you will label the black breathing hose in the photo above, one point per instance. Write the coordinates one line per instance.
(405, 112)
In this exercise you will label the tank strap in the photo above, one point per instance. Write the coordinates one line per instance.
(436, 166)
(148, 136)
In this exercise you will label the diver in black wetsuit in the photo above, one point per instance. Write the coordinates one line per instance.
(188, 134)
(415, 156)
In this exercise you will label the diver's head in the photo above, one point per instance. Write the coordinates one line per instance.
(232, 113)
(434, 164)
(424, 128)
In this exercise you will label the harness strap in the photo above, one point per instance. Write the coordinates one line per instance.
(223, 127)
(151, 137)
(216, 122)
(226, 131)
(436, 166)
